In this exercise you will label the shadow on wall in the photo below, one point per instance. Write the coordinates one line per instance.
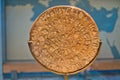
(114, 50)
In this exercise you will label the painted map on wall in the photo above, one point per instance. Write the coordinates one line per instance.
(20, 15)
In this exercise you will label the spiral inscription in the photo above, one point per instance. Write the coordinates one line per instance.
(64, 39)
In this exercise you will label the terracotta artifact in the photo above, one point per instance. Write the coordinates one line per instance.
(64, 39)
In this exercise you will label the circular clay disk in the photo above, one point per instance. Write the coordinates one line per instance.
(64, 39)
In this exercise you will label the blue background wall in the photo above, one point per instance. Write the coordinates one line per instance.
(21, 14)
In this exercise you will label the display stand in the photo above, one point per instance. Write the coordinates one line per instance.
(66, 77)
